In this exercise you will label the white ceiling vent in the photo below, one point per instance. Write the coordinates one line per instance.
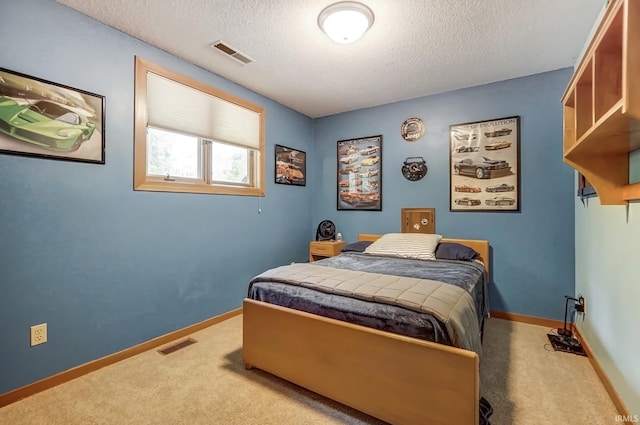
(232, 52)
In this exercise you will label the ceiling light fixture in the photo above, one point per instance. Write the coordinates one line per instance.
(346, 21)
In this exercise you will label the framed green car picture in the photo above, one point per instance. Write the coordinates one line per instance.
(44, 119)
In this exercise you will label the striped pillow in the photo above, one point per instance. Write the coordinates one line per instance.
(419, 246)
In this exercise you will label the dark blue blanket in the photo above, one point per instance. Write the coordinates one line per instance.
(465, 274)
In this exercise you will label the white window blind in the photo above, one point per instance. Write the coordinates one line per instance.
(180, 108)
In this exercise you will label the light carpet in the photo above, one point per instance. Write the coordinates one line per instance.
(206, 383)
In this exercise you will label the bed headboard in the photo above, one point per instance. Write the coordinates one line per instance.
(479, 245)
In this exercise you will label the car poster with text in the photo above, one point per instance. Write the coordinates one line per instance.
(485, 165)
(360, 174)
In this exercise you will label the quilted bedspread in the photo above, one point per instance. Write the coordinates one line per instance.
(450, 304)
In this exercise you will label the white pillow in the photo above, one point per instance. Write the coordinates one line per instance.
(420, 246)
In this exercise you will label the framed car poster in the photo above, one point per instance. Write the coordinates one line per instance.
(360, 174)
(291, 166)
(44, 119)
(484, 163)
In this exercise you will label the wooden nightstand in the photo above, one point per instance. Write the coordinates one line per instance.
(323, 249)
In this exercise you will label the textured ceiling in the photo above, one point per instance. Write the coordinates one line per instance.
(415, 47)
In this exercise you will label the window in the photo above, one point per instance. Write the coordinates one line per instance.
(585, 189)
(190, 137)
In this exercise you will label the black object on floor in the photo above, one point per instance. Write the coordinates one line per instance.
(566, 344)
(485, 411)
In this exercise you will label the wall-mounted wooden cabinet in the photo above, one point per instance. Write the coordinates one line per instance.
(602, 105)
(418, 220)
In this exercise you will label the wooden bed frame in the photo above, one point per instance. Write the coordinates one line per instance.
(398, 379)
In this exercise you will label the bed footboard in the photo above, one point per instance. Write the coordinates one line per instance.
(398, 379)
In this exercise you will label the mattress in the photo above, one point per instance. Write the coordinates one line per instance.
(467, 275)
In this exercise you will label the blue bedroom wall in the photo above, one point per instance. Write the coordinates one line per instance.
(532, 250)
(106, 267)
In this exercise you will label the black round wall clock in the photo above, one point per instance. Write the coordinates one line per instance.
(414, 168)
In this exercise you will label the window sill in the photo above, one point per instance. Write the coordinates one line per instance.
(182, 187)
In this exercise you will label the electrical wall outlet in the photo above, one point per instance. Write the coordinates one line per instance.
(38, 334)
(582, 301)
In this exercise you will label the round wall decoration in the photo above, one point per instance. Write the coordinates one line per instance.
(414, 168)
(412, 129)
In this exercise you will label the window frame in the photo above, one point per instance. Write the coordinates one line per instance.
(145, 182)
(585, 189)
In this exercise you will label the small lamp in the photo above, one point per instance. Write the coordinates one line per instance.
(345, 22)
